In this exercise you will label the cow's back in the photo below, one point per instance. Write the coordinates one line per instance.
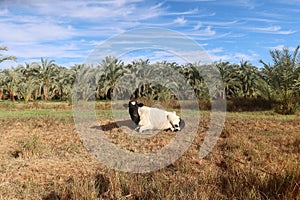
(153, 116)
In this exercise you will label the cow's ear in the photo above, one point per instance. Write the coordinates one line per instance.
(140, 104)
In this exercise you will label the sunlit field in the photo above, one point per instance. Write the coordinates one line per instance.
(42, 157)
(68, 70)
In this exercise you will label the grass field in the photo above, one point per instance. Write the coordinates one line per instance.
(42, 157)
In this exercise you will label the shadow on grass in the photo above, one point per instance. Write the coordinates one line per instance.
(117, 124)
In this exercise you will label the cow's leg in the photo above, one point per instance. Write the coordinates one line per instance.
(171, 128)
(146, 127)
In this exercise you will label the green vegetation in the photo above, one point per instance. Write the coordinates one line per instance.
(275, 86)
(283, 79)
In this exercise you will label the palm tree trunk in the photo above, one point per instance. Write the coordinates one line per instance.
(46, 93)
(26, 98)
(12, 95)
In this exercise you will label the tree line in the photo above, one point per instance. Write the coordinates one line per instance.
(277, 82)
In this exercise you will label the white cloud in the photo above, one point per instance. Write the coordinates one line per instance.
(260, 19)
(268, 29)
(204, 33)
(189, 12)
(63, 52)
(4, 12)
(217, 58)
(271, 30)
(198, 26)
(180, 21)
(207, 31)
(281, 46)
(46, 29)
(218, 54)
(153, 56)
(250, 4)
(88, 10)
(191, 56)
(216, 50)
(237, 57)
(55, 20)
(34, 32)
(221, 23)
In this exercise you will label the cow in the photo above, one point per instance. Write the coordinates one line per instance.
(147, 118)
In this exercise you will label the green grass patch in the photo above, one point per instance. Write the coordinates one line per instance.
(10, 109)
(4, 114)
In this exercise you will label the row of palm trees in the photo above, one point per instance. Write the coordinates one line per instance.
(32, 81)
(279, 80)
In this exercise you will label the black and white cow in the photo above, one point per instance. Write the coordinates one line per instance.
(147, 118)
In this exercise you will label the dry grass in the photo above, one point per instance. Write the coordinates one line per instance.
(256, 157)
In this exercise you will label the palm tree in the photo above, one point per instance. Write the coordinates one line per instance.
(146, 78)
(63, 82)
(111, 71)
(4, 58)
(85, 84)
(193, 73)
(249, 78)
(26, 89)
(29, 82)
(164, 79)
(3, 74)
(135, 81)
(11, 81)
(282, 76)
(2, 84)
(48, 70)
(231, 78)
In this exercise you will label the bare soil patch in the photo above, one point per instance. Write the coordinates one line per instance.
(256, 157)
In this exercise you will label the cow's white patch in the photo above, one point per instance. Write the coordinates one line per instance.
(154, 118)
(133, 102)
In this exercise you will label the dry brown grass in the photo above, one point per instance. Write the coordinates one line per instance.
(256, 157)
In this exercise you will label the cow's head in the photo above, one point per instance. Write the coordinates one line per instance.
(174, 121)
(134, 104)
(133, 110)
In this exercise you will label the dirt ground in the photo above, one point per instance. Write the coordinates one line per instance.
(256, 157)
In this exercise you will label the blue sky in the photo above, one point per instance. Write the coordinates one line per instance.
(68, 31)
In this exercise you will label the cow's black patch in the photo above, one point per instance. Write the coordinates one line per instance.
(133, 111)
(181, 124)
